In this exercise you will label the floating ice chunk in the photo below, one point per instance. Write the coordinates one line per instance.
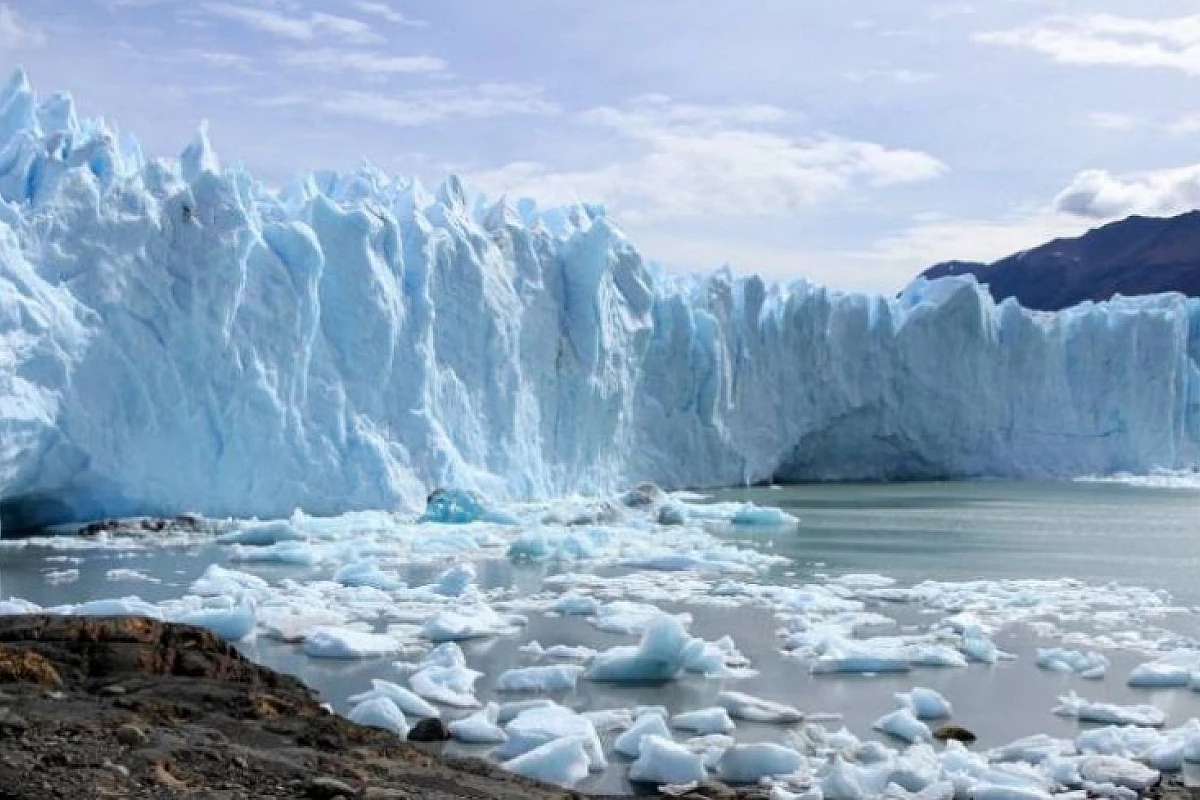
(626, 617)
(1073, 705)
(980, 648)
(610, 719)
(704, 721)
(562, 762)
(450, 686)
(62, 576)
(572, 605)
(262, 533)
(1034, 749)
(510, 711)
(231, 624)
(217, 581)
(659, 656)
(1119, 740)
(480, 727)
(865, 657)
(457, 507)
(535, 727)
(347, 643)
(863, 581)
(755, 709)
(750, 763)
(935, 655)
(1117, 771)
(566, 652)
(672, 514)
(455, 581)
(475, 622)
(406, 701)
(380, 712)
(130, 575)
(663, 762)
(539, 679)
(301, 554)
(447, 654)
(844, 781)
(1160, 675)
(629, 743)
(903, 724)
(366, 573)
(119, 607)
(925, 703)
(1088, 665)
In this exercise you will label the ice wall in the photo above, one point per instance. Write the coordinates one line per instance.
(174, 336)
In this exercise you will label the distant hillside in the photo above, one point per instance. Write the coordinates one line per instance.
(1138, 255)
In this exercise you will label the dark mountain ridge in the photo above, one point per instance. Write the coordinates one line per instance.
(1133, 256)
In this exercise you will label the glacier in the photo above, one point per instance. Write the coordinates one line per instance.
(176, 336)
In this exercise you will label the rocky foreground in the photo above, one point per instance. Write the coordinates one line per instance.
(135, 708)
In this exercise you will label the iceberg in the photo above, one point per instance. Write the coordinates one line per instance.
(755, 709)
(750, 763)
(665, 762)
(925, 704)
(380, 712)
(480, 728)
(629, 743)
(406, 701)
(553, 678)
(373, 342)
(563, 762)
(704, 721)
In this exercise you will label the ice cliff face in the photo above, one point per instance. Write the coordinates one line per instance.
(174, 336)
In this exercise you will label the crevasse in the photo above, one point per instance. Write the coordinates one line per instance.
(175, 336)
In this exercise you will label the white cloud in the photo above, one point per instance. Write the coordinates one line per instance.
(330, 60)
(299, 28)
(885, 264)
(1112, 121)
(220, 59)
(1185, 126)
(417, 107)
(698, 161)
(15, 34)
(935, 238)
(1099, 194)
(1107, 39)
(386, 12)
(904, 77)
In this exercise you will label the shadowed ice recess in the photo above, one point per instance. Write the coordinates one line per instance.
(175, 336)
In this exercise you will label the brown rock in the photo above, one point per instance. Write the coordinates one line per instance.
(431, 729)
(132, 736)
(325, 788)
(948, 733)
(17, 666)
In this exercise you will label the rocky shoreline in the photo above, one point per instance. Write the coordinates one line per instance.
(130, 707)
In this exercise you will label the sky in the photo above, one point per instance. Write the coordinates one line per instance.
(851, 143)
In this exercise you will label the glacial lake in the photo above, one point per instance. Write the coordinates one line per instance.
(1096, 533)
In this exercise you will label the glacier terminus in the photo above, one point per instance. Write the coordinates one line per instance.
(175, 336)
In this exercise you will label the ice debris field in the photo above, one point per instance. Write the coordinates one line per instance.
(176, 336)
(642, 571)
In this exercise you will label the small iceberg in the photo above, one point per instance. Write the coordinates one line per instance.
(754, 709)
(480, 728)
